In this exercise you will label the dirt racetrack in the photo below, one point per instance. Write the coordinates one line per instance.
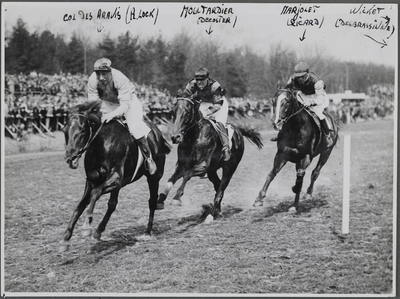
(265, 250)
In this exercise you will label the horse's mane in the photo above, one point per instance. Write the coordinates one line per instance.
(90, 107)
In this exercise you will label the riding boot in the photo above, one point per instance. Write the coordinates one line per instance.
(326, 131)
(145, 149)
(223, 136)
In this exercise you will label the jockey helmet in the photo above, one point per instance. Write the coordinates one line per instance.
(201, 74)
(103, 64)
(300, 69)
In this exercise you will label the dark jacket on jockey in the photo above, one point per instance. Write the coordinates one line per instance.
(211, 93)
(307, 87)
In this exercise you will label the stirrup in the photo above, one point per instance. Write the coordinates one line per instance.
(274, 138)
(329, 140)
(150, 165)
(227, 153)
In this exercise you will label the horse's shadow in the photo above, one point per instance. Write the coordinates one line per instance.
(131, 236)
(305, 206)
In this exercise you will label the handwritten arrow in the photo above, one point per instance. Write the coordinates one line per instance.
(304, 36)
(100, 28)
(384, 44)
(209, 31)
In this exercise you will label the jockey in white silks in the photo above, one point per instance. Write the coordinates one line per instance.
(118, 98)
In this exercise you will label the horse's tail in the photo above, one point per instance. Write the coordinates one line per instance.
(252, 135)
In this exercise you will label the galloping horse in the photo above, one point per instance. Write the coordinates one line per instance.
(112, 161)
(299, 141)
(200, 152)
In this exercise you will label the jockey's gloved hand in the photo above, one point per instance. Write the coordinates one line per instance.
(309, 103)
(105, 118)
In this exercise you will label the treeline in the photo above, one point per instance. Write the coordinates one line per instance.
(169, 64)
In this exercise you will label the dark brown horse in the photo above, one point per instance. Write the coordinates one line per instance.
(299, 141)
(112, 161)
(200, 152)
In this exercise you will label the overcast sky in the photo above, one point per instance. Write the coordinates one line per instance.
(349, 32)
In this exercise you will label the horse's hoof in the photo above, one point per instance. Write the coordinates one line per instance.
(292, 210)
(176, 202)
(258, 203)
(86, 232)
(160, 206)
(63, 247)
(97, 235)
(307, 196)
(209, 219)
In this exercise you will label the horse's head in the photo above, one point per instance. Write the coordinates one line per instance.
(78, 131)
(186, 115)
(284, 107)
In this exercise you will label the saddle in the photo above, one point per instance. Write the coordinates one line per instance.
(317, 121)
(228, 127)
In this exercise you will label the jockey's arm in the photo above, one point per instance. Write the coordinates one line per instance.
(319, 96)
(126, 93)
(189, 92)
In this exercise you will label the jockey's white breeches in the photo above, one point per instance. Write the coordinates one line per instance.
(221, 115)
(321, 100)
(134, 117)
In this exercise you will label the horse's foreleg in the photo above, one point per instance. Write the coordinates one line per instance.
(279, 162)
(300, 172)
(153, 188)
(223, 184)
(112, 182)
(112, 204)
(177, 198)
(171, 182)
(315, 173)
(64, 244)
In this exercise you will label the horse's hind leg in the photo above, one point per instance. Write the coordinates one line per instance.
(222, 185)
(112, 204)
(64, 244)
(315, 173)
(153, 183)
(213, 177)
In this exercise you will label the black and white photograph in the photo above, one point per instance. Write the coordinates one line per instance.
(199, 149)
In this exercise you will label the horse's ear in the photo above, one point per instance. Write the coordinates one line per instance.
(93, 118)
(279, 85)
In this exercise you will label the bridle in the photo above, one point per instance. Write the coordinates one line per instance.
(298, 110)
(91, 136)
(192, 121)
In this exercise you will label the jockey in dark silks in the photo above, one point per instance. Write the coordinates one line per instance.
(310, 93)
(213, 104)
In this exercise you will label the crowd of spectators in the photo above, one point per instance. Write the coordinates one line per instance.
(42, 102)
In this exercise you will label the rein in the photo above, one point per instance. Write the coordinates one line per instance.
(192, 121)
(91, 138)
